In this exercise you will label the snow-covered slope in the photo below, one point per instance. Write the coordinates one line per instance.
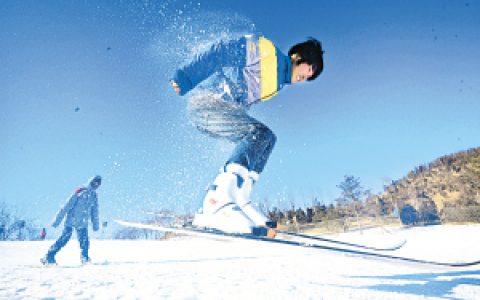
(199, 268)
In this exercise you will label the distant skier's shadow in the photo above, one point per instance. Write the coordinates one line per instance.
(426, 284)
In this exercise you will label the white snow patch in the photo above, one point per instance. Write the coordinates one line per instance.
(199, 268)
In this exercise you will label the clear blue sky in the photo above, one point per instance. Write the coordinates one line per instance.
(84, 91)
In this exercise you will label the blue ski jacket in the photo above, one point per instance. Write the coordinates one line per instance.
(80, 207)
(247, 70)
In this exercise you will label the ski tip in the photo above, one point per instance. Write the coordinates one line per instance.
(400, 245)
(128, 223)
(119, 221)
(465, 264)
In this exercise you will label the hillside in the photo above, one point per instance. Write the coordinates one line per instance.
(451, 180)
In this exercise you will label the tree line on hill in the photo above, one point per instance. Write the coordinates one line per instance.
(15, 228)
(445, 190)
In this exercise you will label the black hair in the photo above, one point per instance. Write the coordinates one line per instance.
(310, 52)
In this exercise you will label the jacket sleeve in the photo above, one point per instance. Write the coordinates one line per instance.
(64, 210)
(224, 54)
(94, 214)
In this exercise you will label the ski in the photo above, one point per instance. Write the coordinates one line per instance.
(225, 235)
(319, 238)
(323, 239)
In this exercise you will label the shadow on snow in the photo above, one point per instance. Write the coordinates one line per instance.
(426, 284)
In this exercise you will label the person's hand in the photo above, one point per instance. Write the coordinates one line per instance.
(175, 87)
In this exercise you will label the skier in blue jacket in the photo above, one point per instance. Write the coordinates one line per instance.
(80, 207)
(229, 78)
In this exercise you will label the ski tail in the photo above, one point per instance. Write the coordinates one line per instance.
(323, 239)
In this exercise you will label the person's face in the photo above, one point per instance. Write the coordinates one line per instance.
(95, 185)
(301, 72)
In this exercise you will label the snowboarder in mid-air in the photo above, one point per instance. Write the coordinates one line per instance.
(228, 78)
(80, 207)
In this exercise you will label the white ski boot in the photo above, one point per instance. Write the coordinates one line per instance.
(244, 202)
(220, 210)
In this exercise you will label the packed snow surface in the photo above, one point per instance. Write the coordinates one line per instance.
(188, 267)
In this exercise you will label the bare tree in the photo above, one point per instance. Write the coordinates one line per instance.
(351, 195)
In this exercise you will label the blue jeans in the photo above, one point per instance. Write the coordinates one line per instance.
(82, 236)
(228, 120)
